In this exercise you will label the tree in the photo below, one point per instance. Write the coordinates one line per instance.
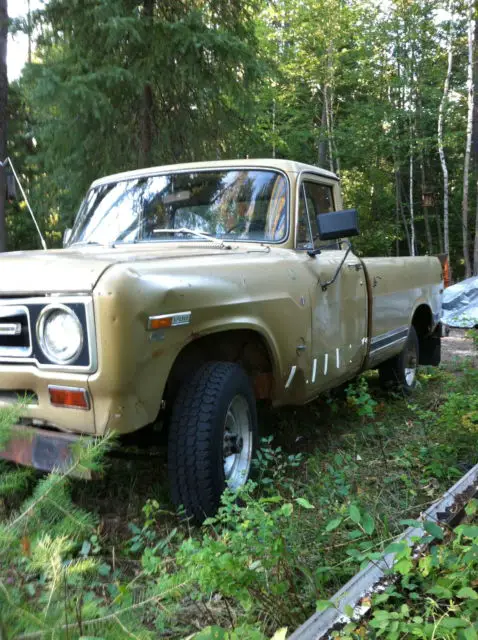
(469, 131)
(3, 116)
(475, 139)
(352, 86)
(128, 83)
(441, 115)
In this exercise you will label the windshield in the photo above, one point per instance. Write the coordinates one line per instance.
(242, 205)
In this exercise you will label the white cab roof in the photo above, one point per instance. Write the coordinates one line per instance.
(289, 166)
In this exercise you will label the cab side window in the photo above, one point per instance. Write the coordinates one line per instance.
(320, 201)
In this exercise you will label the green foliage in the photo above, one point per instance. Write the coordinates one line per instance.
(351, 86)
(136, 83)
(434, 596)
(473, 334)
(358, 396)
(275, 552)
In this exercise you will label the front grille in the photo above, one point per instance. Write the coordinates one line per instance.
(15, 340)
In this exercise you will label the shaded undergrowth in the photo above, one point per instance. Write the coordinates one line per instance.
(335, 482)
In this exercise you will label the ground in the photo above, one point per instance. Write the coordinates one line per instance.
(456, 346)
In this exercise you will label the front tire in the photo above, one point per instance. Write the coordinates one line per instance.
(212, 437)
(401, 370)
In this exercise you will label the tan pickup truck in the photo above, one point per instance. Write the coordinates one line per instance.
(194, 290)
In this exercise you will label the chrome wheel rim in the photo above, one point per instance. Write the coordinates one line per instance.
(237, 443)
(410, 364)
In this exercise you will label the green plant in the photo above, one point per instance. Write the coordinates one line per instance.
(360, 399)
(473, 334)
(244, 554)
(435, 596)
(273, 465)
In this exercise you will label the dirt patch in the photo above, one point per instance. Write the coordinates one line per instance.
(456, 347)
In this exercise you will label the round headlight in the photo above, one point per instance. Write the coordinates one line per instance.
(60, 334)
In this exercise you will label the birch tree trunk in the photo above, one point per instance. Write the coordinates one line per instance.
(441, 150)
(469, 131)
(3, 116)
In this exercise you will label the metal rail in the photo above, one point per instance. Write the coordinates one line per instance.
(355, 593)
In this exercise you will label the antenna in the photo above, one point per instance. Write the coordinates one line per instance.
(42, 239)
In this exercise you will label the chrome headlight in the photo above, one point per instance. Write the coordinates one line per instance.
(60, 334)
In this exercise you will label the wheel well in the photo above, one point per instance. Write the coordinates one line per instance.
(423, 321)
(244, 346)
(429, 346)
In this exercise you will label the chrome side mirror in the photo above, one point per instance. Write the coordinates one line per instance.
(66, 237)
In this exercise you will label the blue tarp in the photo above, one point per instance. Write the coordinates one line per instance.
(460, 304)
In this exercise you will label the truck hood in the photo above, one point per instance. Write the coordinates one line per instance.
(77, 270)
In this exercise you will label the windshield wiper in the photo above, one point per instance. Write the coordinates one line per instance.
(192, 232)
(87, 242)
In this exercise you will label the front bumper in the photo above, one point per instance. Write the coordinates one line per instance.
(28, 381)
(45, 450)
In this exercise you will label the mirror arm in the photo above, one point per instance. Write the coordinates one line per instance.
(324, 286)
(313, 252)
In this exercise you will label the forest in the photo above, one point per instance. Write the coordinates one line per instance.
(382, 93)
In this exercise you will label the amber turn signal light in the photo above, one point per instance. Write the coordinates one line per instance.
(69, 397)
(160, 323)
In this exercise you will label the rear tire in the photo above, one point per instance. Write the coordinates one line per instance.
(212, 437)
(401, 370)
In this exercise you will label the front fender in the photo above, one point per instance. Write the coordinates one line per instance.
(134, 363)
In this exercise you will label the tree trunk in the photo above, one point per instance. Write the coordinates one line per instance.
(436, 216)
(397, 219)
(329, 129)
(441, 150)
(3, 116)
(322, 137)
(273, 127)
(328, 93)
(400, 206)
(29, 19)
(412, 211)
(428, 232)
(469, 131)
(475, 140)
(332, 130)
(147, 124)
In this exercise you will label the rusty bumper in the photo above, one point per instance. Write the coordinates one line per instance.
(42, 449)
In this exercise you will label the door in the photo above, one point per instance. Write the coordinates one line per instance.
(339, 297)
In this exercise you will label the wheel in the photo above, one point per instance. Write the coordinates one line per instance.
(401, 370)
(212, 437)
